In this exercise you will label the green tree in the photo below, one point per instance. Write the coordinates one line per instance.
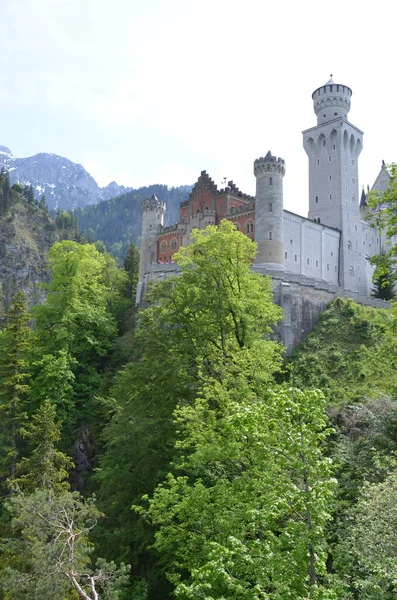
(384, 278)
(50, 551)
(243, 512)
(15, 343)
(45, 468)
(75, 329)
(213, 320)
(131, 266)
(366, 558)
(382, 214)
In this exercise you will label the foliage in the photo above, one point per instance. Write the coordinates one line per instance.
(51, 550)
(46, 468)
(117, 222)
(382, 214)
(214, 319)
(350, 354)
(246, 517)
(131, 266)
(14, 385)
(366, 557)
(75, 329)
(384, 278)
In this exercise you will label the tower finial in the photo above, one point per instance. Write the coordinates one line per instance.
(330, 81)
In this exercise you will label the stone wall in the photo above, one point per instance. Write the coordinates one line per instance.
(303, 300)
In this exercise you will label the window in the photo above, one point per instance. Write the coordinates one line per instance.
(353, 161)
(353, 197)
(330, 177)
(270, 180)
(330, 196)
(316, 263)
(355, 227)
(333, 147)
(335, 114)
(249, 227)
(324, 140)
(270, 207)
(285, 255)
(173, 245)
(316, 199)
(349, 245)
(329, 159)
(290, 241)
(351, 271)
(150, 226)
(270, 235)
(318, 162)
(163, 246)
(346, 188)
(327, 266)
(353, 180)
(336, 269)
(308, 261)
(345, 169)
(296, 258)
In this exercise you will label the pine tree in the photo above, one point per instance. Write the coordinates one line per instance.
(46, 468)
(131, 266)
(14, 385)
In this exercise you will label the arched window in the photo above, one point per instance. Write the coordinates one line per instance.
(163, 246)
(249, 227)
(173, 245)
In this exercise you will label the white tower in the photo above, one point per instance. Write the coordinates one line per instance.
(333, 148)
(152, 217)
(269, 229)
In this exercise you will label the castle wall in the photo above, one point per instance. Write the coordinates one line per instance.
(311, 249)
(303, 301)
(302, 298)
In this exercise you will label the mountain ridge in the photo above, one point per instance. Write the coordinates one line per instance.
(65, 184)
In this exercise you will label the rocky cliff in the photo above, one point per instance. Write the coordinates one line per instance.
(65, 184)
(26, 234)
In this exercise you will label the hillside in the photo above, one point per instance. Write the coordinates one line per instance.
(117, 222)
(65, 184)
(350, 354)
(26, 234)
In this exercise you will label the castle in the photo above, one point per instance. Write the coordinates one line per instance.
(311, 259)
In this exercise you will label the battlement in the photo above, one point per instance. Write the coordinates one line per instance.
(331, 100)
(205, 180)
(269, 163)
(153, 204)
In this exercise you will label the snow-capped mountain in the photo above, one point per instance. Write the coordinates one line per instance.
(65, 184)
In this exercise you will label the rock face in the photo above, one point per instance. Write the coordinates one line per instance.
(65, 184)
(26, 235)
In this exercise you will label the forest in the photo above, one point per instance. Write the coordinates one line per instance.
(176, 451)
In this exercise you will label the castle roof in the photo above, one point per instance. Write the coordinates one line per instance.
(363, 201)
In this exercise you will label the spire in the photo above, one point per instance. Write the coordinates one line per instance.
(268, 156)
(330, 81)
(363, 201)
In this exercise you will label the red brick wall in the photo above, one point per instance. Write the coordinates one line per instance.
(167, 239)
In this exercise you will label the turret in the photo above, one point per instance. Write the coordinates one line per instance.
(333, 147)
(331, 101)
(269, 230)
(152, 218)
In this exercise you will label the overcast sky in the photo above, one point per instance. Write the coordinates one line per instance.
(154, 91)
